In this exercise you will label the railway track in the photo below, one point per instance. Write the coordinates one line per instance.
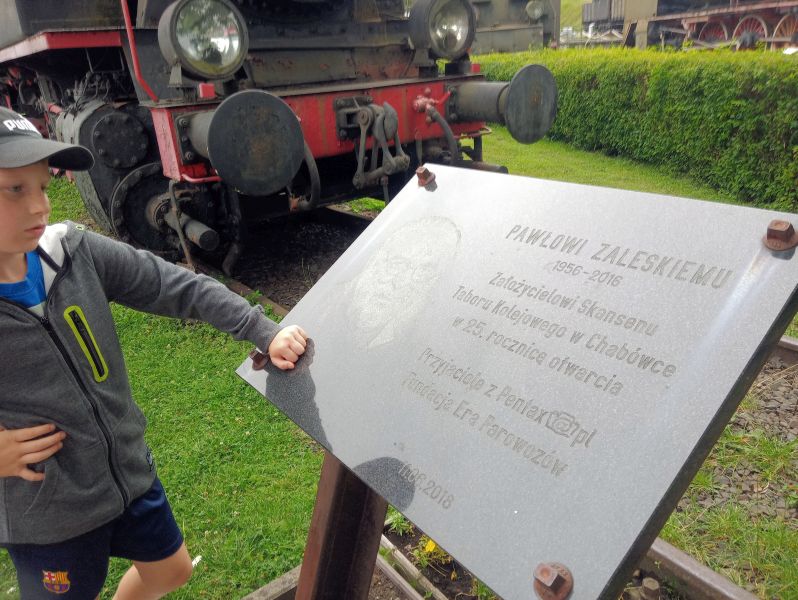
(322, 239)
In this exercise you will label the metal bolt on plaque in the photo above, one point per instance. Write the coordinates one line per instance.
(259, 359)
(553, 581)
(781, 236)
(425, 176)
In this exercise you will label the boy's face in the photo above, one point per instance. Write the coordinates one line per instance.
(24, 208)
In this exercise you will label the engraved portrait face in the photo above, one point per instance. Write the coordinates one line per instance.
(397, 280)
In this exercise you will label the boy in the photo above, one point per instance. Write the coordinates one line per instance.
(77, 481)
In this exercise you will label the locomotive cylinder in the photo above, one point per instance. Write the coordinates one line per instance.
(527, 105)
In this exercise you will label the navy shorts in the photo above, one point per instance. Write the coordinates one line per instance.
(77, 568)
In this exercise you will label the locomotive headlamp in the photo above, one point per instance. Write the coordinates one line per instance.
(535, 9)
(446, 27)
(208, 38)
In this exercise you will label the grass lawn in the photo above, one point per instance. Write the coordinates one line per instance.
(241, 478)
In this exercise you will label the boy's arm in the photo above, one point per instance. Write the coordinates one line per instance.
(143, 281)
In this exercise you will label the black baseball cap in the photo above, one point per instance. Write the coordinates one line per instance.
(21, 144)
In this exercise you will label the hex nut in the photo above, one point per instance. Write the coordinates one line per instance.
(553, 581)
(548, 576)
(781, 235)
(425, 176)
(780, 230)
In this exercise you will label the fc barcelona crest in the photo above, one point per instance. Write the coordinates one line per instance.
(56, 582)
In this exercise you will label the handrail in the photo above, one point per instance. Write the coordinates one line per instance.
(134, 52)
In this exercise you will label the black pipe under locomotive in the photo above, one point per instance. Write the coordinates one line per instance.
(205, 116)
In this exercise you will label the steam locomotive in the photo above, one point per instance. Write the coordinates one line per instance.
(207, 116)
(516, 25)
(706, 22)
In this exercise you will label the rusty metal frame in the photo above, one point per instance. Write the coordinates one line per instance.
(344, 537)
(689, 576)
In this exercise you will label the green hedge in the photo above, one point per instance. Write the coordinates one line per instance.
(729, 119)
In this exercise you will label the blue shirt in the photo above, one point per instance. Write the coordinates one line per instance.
(29, 292)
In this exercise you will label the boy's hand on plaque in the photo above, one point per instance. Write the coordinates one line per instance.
(287, 346)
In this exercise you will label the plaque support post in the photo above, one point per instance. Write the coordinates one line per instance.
(344, 537)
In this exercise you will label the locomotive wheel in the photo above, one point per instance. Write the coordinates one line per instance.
(714, 31)
(750, 29)
(128, 210)
(787, 28)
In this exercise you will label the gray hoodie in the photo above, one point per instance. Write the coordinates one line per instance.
(67, 368)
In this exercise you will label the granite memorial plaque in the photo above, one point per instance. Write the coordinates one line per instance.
(533, 371)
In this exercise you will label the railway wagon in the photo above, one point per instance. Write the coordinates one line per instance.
(516, 25)
(208, 116)
(743, 23)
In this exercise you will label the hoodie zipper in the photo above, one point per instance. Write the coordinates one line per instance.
(48, 327)
(80, 328)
